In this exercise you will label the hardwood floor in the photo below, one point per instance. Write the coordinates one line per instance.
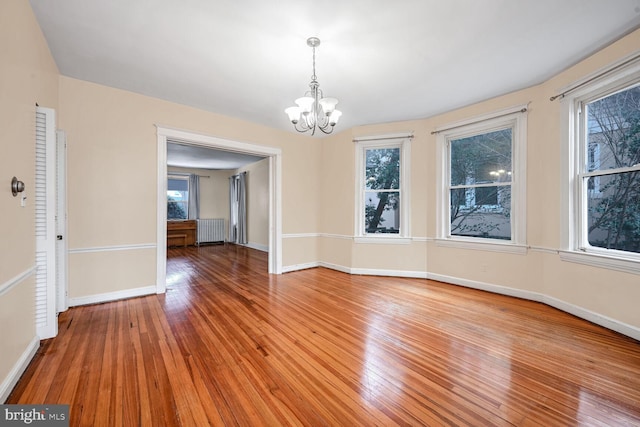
(230, 345)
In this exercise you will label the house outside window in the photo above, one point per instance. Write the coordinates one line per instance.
(482, 180)
(480, 185)
(601, 199)
(382, 190)
(382, 207)
(177, 197)
(609, 181)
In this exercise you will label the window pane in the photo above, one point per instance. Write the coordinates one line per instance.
(482, 158)
(481, 212)
(176, 210)
(177, 198)
(176, 184)
(613, 131)
(614, 211)
(382, 212)
(382, 169)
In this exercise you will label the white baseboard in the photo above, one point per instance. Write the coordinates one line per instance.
(112, 296)
(389, 273)
(583, 313)
(257, 246)
(336, 267)
(496, 289)
(297, 267)
(598, 319)
(18, 369)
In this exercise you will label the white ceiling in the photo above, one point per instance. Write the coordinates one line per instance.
(186, 156)
(384, 60)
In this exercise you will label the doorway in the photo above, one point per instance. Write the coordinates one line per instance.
(198, 140)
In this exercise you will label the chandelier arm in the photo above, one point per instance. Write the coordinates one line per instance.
(300, 126)
(327, 132)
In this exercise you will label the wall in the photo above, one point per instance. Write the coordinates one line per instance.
(112, 158)
(214, 192)
(214, 198)
(112, 155)
(257, 204)
(606, 296)
(28, 76)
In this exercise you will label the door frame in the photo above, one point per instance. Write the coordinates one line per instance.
(274, 154)
(62, 242)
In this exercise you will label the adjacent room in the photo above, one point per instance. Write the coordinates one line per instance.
(347, 213)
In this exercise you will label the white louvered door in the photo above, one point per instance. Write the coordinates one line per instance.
(45, 206)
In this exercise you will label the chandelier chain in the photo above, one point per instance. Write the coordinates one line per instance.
(313, 77)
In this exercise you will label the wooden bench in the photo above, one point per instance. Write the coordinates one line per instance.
(174, 239)
(181, 233)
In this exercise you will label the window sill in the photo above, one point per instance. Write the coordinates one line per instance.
(388, 240)
(602, 261)
(492, 246)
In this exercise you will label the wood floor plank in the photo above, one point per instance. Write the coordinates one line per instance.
(230, 345)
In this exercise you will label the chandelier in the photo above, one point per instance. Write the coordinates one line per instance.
(313, 110)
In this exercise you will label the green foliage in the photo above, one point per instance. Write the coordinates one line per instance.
(481, 159)
(614, 200)
(175, 210)
(382, 173)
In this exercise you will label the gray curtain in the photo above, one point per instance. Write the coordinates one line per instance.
(194, 196)
(238, 209)
(242, 208)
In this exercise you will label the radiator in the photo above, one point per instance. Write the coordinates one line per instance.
(210, 230)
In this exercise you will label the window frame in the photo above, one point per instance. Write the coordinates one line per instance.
(186, 203)
(514, 118)
(362, 144)
(575, 239)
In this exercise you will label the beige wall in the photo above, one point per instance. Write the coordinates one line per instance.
(600, 293)
(214, 192)
(112, 156)
(28, 76)
(111, 133)
(112, 190)
(257, 203)
(214, 198)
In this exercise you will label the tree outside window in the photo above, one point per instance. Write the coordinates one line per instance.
(177, 198)
(480, 185)
(611, 173)
(382, 190)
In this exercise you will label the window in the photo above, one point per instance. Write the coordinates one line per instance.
(177, 197)
(601, 198)
(481, 188)
(609, 179)
(480, 185)
(382, 205)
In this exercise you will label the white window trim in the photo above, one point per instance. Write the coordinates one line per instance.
(574, 236)
(517, 118)
(399, 140)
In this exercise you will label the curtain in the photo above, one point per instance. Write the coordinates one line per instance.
(238, 209)
(233, 203)
(242, 208)
(194, 196)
